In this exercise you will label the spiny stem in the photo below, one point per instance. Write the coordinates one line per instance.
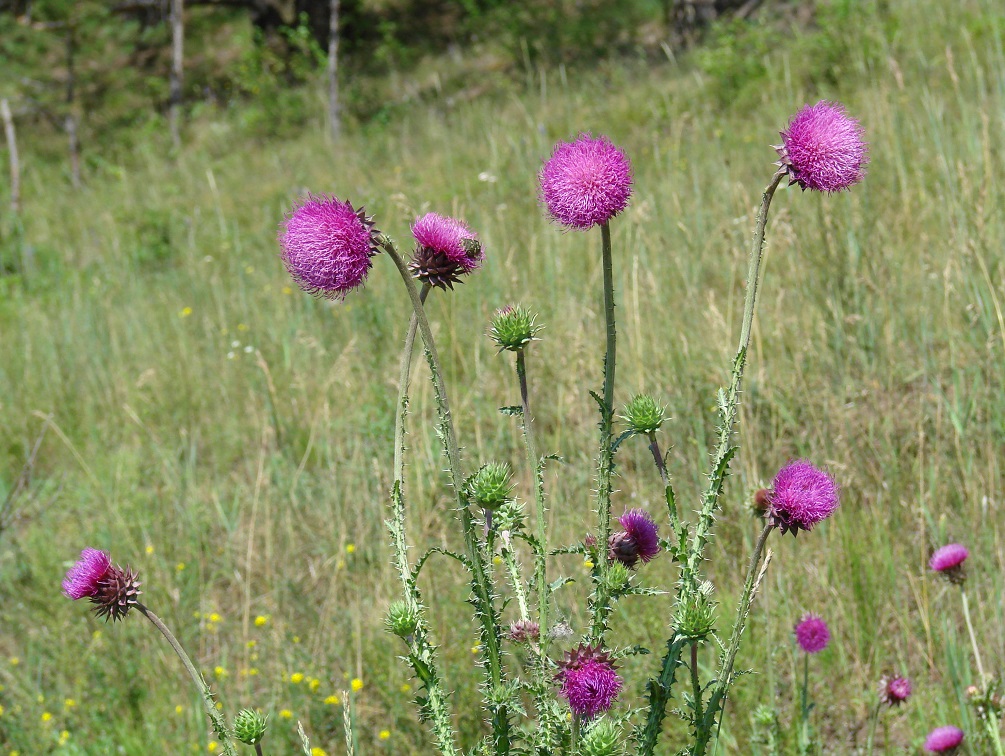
(695, 681)
(710, 500)
(661, 467)
(717, 700)
(601, 603)
(480, 583)
(534, 460)
(215, 718)
(422, 653)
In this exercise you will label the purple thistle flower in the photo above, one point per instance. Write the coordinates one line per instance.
(446, 249)
(82, 579)
(948, 561)
(113, 590)
(640, 539)
(822, 148)
(894, 690)
(801, 496)
(944, 739)
(327, 246)
(586, 183)
(812, 634)
(524, 631)
(589, 681)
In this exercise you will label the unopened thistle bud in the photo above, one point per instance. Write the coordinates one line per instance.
(524, 631)
(696, 615)
(643, 414)
(617, 578)
(401, 619)
(491, 486)
(249, 726)
(602, 738)
(513, 328)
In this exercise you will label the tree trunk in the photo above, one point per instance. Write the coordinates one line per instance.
(15, 166)
(177, 59)
(334, 119)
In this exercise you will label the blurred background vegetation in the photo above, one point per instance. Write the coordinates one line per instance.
(230, 437)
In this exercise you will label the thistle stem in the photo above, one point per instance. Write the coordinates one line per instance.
(872, 728)
(215, 718)
(717, 700)
(804, 731)
(724, 450)
(258, 749)
(973, 638)
(695, 681)
(534, 460)
(480, 581)
(600, 604)
(421, 652)
(661, 467)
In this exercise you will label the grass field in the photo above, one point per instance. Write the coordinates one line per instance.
(231, 437)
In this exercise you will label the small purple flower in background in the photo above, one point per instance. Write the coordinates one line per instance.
(586, 183)
(812, 634)
(589, 681)
(944, 739)
(894, 690)
(446, 249)
(948, 561)
(524, 631)
(822, 148)
(112, 589)
(327, 246)
(801, 496)
(640, 539)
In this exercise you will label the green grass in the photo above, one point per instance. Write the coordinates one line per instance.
(237, 485)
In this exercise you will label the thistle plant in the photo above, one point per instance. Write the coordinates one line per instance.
(539, 698)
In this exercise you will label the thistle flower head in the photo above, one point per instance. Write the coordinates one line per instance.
(249, 726)
(948, 562)
(643, 414)
(639, 540)
(588, 680)
(524, 631)
(445, 250)
(944, 740)
(822, 148)
(586, 182)
(327, 246)
(112, 589)
(602, 738)
(513, 328)
(491, 486)
(801, 496)
(894, 690)
(812, 634)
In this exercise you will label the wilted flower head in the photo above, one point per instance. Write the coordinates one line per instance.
(812, 634)
(445, 249)
(640, 539)
(524, 631)
(112, 589)
(894, 690)
(327, 246)
(822, 148)
(586, 183)
(801, 496)
(589, 680)
(944, 739)
(949, 560)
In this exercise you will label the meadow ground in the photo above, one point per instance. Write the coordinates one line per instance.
(230, 437)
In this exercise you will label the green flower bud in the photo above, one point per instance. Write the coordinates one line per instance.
(491, 486)
(643, 414)
(510, 516)
(249, 726)
(513, 328)
(618, 577)
(401, 619)
(602, 738)
(696, 614)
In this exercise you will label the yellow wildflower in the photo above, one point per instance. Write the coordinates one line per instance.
(356, 684)
(46, 716)
(286, 714)
(261, 619)
(212, 746)
(350, 548)
(406, 688)
(296, 678)
(185, 312)
(332, 700)
(69, 703)
(384, 734)
(220, 671)
(313, 683)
